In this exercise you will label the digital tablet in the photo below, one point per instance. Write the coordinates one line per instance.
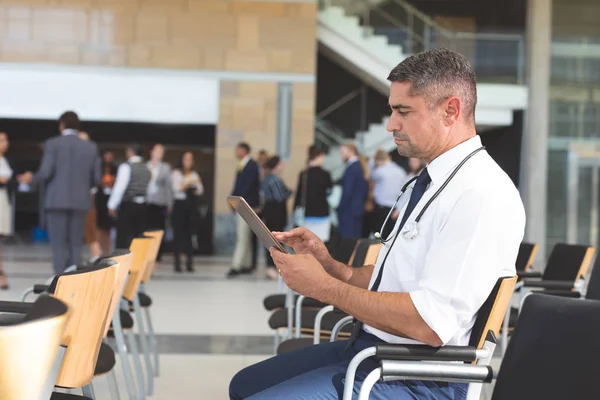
(263, 233)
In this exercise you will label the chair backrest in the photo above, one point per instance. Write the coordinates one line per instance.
(492, 312)
(363, 248)
(568, 262)
(28, 350)
(593, 286)
(526, 256)
(343, 250)
(88, 293)
(553, 352)
(124, 258)
(157, 235)
(140, 247)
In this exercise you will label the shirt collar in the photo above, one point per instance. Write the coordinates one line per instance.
(446, 162)
(135, 159)
(245, 160)
(352, 159)
(67, 132)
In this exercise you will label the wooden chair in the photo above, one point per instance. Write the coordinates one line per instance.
(552, 356)
(106, 356)
(28, 350)
(88, 293)
(145, 299)
(409, 358)
(141, 248)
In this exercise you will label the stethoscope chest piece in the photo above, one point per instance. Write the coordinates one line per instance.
(410, 230)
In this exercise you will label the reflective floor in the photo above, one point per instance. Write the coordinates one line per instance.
(208, 327)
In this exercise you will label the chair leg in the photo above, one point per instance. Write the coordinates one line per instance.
(153, 341)
(113, 387)
(122, 350)
(88, 391)
(145, 347)
(137, 362)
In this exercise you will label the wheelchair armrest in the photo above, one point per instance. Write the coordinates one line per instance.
(15, 307)
(563, 285)
(426, 353)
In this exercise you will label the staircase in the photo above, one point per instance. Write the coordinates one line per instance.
(370, 52)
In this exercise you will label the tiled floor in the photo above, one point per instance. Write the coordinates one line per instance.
(208, 327)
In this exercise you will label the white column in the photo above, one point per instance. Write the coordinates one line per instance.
(534, 165)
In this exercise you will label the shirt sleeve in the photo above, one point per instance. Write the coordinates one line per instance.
(199, 185)
(457, 277)
(121, 182)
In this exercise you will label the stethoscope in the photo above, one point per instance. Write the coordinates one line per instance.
(411, 229)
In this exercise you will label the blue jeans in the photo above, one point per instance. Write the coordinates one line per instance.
(318, 373)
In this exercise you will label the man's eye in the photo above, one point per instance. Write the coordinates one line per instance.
(403, 113)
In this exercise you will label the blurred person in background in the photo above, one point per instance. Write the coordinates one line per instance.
(388, 178)
(415, 166)
(105, 222)
(129, 197)
(69, 169)
(314, 186)
(90, 234)
(160, 191)
(355, 190)
(187, 187)
(247, 185)
(8, 184)
(275, 195)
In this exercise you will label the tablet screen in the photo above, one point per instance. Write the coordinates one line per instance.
(254, 222)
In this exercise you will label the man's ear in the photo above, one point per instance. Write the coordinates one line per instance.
(452, 110)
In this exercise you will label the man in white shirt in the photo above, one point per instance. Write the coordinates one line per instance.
(388, 178)
(430, 279)
(129, 197)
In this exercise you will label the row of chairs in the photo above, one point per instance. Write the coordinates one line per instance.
(85, 307)
(566, 266)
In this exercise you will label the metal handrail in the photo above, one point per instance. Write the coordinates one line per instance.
(338, 103)
(330, 132)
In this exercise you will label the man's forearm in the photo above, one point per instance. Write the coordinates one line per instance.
(394, 313)
(359, 277)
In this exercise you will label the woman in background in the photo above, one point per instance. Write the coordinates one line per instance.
(314, 185)
(187, 186)
(275, 195)
(7, 184)
(104, 222)
(160, 192)
(415, 166)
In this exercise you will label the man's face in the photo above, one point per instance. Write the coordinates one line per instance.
(345, 153)
(240, 152)
(418, 130)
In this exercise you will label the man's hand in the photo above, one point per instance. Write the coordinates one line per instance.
(301, 273)
(3, 180)
(304, 241)
(25, 178)
(395, 214)
(112, 213)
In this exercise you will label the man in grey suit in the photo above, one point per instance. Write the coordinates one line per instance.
(70, 168)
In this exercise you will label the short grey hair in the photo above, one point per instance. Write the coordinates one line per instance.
(438, 74)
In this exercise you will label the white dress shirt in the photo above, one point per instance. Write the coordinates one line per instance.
(468, 237)
(389, 179)
(121, 182)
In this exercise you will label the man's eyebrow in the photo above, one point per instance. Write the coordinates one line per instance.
(399, 106)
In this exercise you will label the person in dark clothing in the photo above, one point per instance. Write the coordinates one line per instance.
(129, 197)
(275, 195)
(314, 185)
(187, 186)
(355, 190)
(247, 182)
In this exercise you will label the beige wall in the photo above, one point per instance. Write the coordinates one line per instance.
(254, 36)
